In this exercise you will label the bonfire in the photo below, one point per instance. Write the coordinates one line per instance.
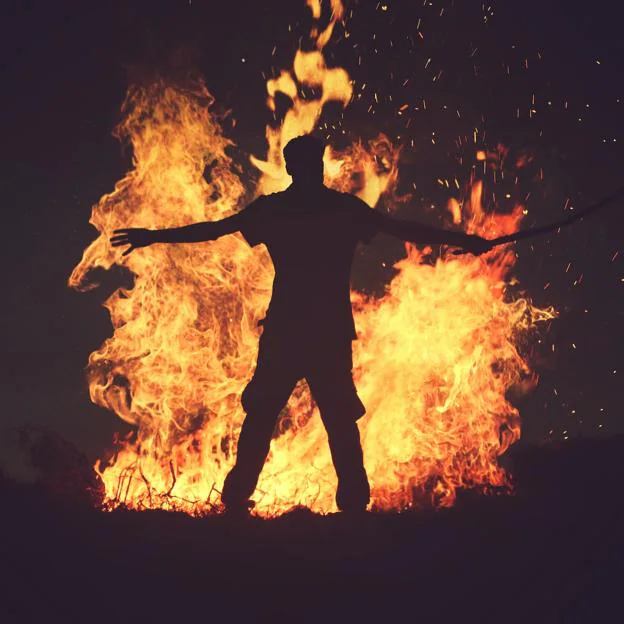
(437, 353)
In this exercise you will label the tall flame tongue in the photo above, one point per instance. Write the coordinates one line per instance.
(436, 353)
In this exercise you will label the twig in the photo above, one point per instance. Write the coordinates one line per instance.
(172, 476)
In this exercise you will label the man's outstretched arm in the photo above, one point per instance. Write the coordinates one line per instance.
(195, 233)
(421, 234)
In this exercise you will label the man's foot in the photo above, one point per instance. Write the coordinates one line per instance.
(354, 511)
(239, 509)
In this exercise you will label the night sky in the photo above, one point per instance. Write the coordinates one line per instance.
(542, 77)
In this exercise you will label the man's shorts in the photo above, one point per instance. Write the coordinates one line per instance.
(325, 364)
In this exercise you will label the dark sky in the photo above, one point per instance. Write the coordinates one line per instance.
(65, 69)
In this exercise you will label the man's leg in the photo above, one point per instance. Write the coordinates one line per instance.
(333, 389)
(353, 492)
(263, 399)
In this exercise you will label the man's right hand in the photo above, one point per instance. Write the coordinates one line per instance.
(477, 245)
(135, 237)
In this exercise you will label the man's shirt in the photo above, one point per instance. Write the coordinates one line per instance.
(311, 235)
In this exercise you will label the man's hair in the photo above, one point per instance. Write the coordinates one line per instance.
(303, 150)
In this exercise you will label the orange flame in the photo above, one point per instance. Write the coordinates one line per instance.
(435, 358)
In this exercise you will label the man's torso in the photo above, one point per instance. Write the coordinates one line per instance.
(311, 236)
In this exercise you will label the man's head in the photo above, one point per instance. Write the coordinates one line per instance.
(304, 159)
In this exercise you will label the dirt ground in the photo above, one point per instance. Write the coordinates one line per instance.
(553, 552)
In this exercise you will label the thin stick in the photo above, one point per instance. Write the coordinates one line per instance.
(553, 227)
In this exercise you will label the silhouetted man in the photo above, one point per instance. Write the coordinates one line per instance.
(311, 233)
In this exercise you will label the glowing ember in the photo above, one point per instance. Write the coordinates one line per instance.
(436, 353)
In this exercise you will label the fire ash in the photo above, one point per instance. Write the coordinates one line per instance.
(436, 356)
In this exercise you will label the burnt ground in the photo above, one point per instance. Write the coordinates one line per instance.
(554, 552)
